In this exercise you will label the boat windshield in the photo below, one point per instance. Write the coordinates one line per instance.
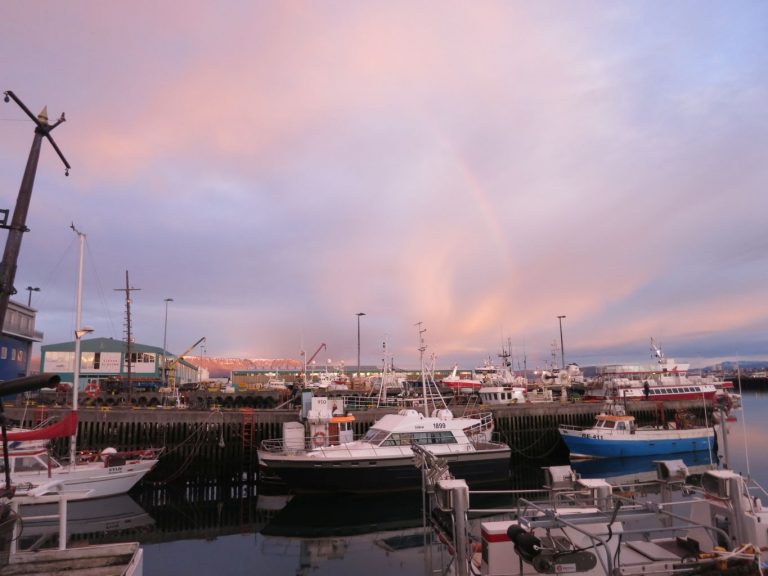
(375, 436)
(27, 464)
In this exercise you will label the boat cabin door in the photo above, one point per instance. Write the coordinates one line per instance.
(340, 429)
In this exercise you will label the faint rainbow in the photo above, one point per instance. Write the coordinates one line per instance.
(489, 212)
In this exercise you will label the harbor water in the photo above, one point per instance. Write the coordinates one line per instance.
(236, 530)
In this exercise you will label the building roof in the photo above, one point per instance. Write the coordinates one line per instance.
(101, 345)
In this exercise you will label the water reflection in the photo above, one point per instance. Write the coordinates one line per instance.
(311, 516)
(639, 468)
(376, 533)
(113, 519)
(230, 528)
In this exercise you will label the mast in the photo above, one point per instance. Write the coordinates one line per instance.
(422, 349)
(128, 334)
(384, 382)
(79, 333)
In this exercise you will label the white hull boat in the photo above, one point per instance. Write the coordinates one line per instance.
(107, 474)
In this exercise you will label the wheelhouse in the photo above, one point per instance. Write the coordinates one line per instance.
(607, 422)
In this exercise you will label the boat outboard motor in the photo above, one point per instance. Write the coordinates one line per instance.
(550, 560)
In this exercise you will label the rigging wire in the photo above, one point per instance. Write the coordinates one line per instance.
(100, 290)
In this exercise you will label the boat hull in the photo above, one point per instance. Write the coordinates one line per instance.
(377, 474)
(94, 480)
(591, 444)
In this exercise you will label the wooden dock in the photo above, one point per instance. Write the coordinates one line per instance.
(221, 444)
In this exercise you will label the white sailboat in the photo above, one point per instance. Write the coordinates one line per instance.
(88, 475)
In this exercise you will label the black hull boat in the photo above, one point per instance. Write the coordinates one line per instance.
(321, 455)
(489, 468)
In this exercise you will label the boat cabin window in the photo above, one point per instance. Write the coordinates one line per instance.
(406, 439)
(620, 426)
(28, 464)
(607, 424)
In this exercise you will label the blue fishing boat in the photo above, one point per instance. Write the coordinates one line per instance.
(616, 434)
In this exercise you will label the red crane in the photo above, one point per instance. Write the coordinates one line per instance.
(319, 348)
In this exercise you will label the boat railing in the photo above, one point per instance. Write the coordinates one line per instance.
(532, 515)
(479, 431)
(552, 513)
(335, 450)
(361, 403)
(571, 427)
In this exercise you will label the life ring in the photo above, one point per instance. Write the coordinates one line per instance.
(319, 438)
(92, 390)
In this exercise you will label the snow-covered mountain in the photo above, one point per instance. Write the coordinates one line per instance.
(221, 367)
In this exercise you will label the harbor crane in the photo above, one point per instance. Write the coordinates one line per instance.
(308, 362)
(170, 366)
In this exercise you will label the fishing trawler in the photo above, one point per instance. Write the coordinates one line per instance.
(667, 380)
(615, 434)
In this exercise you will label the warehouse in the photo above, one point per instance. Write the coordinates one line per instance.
(107, 359)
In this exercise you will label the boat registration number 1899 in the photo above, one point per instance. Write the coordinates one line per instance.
(439, 424)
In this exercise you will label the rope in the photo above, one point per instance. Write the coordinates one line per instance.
(198, 437)
(524, 450)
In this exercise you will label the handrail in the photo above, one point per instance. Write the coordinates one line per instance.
(32, 497)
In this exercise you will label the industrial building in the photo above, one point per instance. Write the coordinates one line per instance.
(106, 359)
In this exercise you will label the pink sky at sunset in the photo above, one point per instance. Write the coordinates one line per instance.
(277, 167)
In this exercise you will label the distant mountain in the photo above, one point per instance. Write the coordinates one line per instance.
(221, 367)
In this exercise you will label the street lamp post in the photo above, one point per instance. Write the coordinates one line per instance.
(562, 350)
(30, 290)
(358, 341)
(165, 336)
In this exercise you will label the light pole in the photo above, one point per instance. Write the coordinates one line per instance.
(165, 336)
(30, 290)
(358, 341)
(562, 350)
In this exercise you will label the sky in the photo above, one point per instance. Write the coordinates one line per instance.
(481, 168)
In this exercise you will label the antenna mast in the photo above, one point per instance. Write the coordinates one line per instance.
(128, 335)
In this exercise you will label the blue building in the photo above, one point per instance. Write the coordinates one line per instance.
(16, 341)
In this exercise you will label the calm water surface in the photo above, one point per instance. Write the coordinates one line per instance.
(224, 532)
